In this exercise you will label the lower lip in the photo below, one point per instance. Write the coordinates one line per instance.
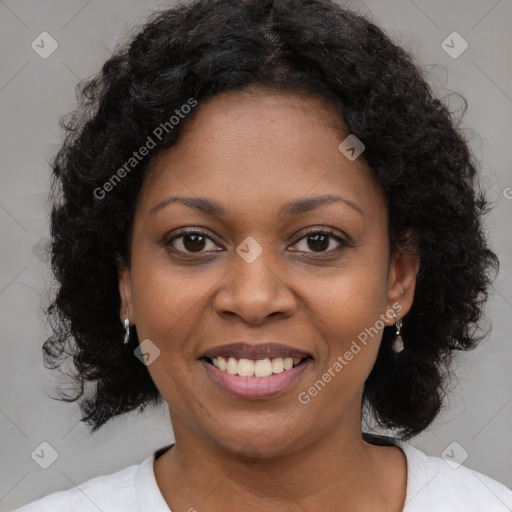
(256, 387)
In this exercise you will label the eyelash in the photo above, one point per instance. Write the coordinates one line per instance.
(310, 231)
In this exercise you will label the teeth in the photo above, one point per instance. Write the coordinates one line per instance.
(246, 368)
(232, 366)
(277, 365)
(259, 368)
(262, 368)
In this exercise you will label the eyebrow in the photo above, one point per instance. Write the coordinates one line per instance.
(296, 207)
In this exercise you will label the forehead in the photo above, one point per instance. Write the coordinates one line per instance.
(259, 146)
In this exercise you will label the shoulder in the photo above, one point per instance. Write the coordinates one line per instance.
(443, 485)
(114, 492)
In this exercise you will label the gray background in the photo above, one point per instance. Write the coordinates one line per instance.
(35, 92)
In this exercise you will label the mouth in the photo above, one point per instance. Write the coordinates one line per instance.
(255, 371)
(262, 360)
(255, 368)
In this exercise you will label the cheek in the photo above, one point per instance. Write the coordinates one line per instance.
(348, 312)
(354, 297)
(170, 305)
(348, 325)
(165, 304)
(168, 312)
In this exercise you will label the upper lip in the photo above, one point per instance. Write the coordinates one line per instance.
(243, 350)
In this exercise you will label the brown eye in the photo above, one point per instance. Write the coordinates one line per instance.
(319, 241)
(191, 242)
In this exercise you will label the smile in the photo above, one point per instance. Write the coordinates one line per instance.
(255, 368)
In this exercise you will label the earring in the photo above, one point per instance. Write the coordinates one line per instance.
(397, 345)
(126, 328)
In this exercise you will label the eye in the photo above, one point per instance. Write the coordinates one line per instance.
(195, 241)
(321, 240)
(191, 241)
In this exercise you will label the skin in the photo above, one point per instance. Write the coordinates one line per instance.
(252, 151)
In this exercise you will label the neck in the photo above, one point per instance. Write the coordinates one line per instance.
(339, 470)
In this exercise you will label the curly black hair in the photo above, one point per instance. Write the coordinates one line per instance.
(413, 145)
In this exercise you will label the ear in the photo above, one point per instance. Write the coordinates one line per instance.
(125, 291)
(402, 275)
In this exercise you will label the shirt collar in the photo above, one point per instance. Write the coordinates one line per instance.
(149, 496)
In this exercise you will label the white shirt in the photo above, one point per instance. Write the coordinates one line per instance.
(432, 486)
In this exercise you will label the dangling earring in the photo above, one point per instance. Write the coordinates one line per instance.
(126, 328)
(397, 345)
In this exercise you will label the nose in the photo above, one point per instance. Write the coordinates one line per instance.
(255, 292)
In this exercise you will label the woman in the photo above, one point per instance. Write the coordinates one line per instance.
(263, 217)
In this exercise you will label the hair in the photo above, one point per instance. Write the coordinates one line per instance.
(412, 144)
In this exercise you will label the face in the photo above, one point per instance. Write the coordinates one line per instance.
(257, 270)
